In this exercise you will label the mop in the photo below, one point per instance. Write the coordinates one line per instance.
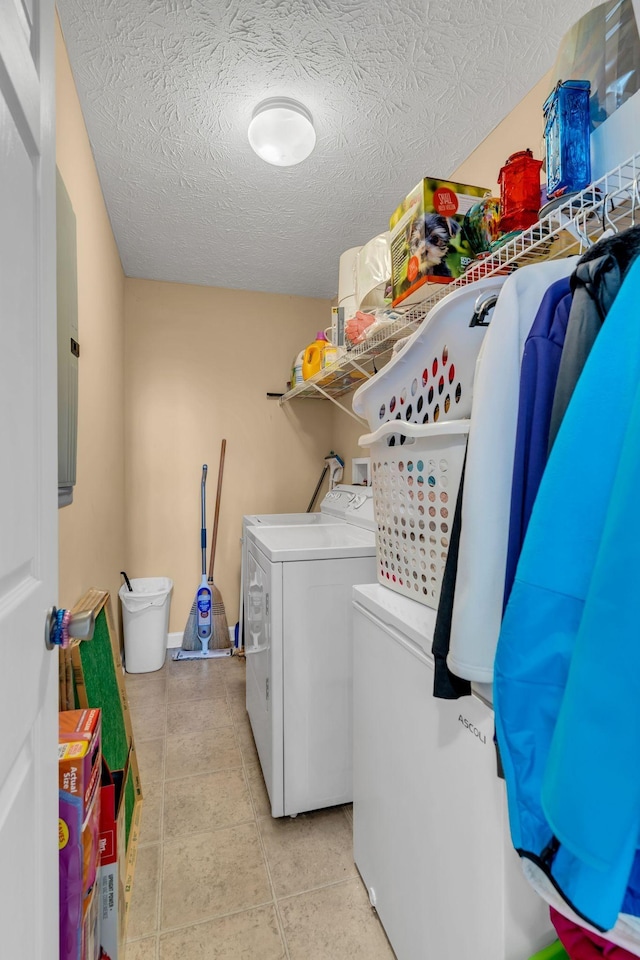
(198, 631)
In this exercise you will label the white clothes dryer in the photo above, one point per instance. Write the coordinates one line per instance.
(298, 644)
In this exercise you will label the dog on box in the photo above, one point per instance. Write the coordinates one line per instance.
(429, 242)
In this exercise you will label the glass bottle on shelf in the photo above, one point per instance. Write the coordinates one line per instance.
(566, 134)
(519, 181)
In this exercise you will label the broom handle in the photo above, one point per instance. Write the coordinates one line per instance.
(214, 536)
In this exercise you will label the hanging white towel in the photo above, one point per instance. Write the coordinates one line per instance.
(477, 609)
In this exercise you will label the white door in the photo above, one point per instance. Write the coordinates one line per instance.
(28, 484)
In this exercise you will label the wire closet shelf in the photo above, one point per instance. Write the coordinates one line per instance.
(568, 228)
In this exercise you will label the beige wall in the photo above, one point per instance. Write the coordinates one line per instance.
(92, 527)
(345, 433)
(199, 362)
(522, 128)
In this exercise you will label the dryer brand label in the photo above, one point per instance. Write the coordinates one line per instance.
(470, 727)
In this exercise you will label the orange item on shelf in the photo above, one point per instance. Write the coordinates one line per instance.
(355, 328)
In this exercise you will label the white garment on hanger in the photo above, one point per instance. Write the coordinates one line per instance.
(486, 499)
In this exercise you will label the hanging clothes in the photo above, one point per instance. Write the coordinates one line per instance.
(595, 284)
(446, 686)
(538, 375)
(582, 944)
(477, 609)
(568, 658)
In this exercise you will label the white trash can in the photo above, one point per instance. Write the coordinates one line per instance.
(145, 619)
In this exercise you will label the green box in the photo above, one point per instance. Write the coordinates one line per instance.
(98, 682)
(427, 245)
(554, 952)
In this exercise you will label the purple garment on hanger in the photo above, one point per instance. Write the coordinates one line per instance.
(538, 375)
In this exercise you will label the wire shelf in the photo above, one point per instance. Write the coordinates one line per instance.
(568, 227)
(350, 370)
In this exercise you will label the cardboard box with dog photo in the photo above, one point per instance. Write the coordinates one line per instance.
(427, 244)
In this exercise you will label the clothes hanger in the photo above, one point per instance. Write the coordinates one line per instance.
(581, 234)
(609, 228)
(485, 302)
(635, 199)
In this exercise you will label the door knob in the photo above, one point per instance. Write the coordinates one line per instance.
(61, 626)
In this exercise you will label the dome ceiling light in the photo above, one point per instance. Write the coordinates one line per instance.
(281, 132)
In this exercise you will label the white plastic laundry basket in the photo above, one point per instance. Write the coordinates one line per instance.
(430, 379)
(415, 485)
(145, 619)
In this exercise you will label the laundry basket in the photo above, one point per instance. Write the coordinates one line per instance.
(431, 377)
(418, 407)
(415, 485)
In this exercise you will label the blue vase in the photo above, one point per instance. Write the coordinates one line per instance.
(566, 134)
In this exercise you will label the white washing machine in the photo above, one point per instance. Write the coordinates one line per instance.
(298, 645)
(431, 836)
(328, 504)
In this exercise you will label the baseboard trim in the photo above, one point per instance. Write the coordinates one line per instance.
(175, 639)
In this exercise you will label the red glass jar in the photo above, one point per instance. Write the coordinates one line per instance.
(519, 191)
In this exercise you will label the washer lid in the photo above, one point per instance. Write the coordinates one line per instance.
(323, 541)
(284, 519)
(407, 616)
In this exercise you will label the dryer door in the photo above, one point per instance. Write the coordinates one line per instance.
(263, 648)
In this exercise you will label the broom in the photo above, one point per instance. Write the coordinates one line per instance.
(220, 629)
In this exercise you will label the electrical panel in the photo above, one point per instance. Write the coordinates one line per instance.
(68, 345)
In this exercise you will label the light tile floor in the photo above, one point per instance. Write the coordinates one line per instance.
(217, 877)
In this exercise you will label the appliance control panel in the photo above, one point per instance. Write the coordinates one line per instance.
(353, 504)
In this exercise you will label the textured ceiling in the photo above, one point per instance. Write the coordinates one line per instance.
(398, 89)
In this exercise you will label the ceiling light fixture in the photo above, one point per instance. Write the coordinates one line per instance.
(281, 132)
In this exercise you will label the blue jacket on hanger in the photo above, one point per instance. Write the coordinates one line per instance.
(567, 670)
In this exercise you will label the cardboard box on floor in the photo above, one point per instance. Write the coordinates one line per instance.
(112, 873)
(98, 681)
